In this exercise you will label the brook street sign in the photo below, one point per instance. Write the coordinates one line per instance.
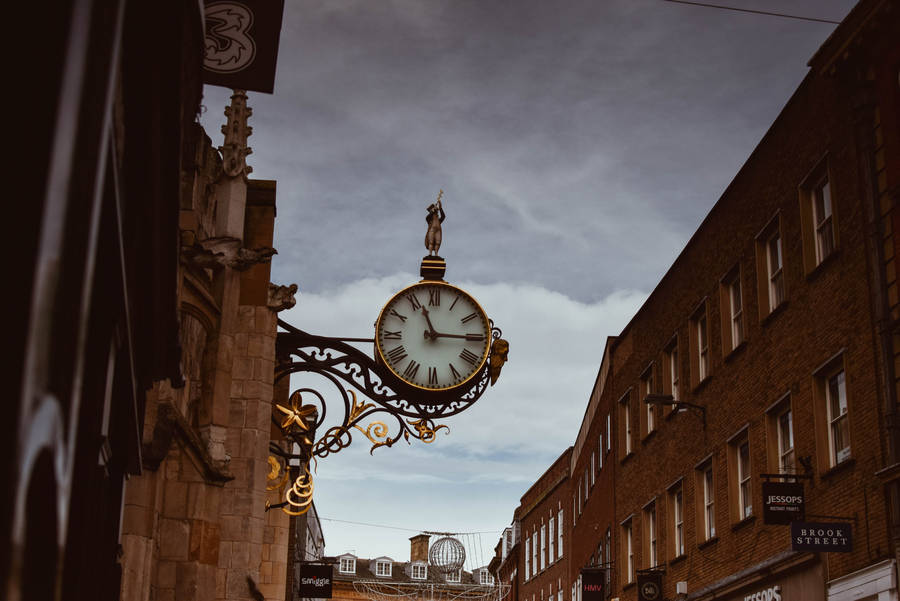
(315, 581)
(783, 502)
(834, 537)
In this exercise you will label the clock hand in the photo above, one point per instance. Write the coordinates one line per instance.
(432, 333)
(472, 337)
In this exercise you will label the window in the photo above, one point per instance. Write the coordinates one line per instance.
(348, 565)
(670, 382)
(593, 468)
(600, 452)
(608, 430)
(785, 429)
(559, 530)
(732, 311)
(776, 271)
(456, 576)
(419, 571)
(676, 502)
(702, 348)
(587, 482)
(699, 346)
(707, 510)
(551, 535)
(534, 551)
(625, 420)
(559, 596)
(527, 557)
(817, 219)
(745, 500)
(832, 414)
(382, 567)
(649, 417)
(823, 220)
(628, 551)
(487, 578)
(838, 428)
(770, 268)
(543, 546)
(608, 559)
(650, 535)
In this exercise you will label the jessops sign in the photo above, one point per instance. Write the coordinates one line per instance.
(772, 593)
(783, 502)
(833, 538)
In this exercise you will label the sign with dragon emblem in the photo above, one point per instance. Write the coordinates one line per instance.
(242, 43)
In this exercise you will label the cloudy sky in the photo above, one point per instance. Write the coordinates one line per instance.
(578, 143)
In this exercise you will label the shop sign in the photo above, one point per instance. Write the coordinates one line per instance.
(649, 585)
(783, 502)
(832, 537)
(242, 43)
(772, 593)
(315, 580)
(593, 583)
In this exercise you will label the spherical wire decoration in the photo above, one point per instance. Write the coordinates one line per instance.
(447, 555)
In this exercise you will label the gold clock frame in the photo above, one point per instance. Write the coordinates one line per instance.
(485, 354)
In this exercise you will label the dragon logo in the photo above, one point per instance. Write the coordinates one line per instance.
(228, 47)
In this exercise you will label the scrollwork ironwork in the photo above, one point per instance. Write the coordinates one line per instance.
(351, 371)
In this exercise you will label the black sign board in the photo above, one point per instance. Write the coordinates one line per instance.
(593, 585)
(833, 538)
(649, 585)
(315, 580)
(242, 43)
(783, 502)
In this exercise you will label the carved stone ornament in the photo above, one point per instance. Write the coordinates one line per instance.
(281, 297)
(236, 130)
(216, 253)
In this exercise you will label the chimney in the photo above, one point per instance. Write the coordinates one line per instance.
(418, 548)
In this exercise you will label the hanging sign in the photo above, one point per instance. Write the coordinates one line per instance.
(593, 583)
(315, 580)
(649, 585)
(783, 502)
(241, 45)
(834, 537)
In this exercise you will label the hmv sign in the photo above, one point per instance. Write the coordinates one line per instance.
(593, 585)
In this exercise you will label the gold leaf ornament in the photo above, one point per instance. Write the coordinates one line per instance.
(296, 414)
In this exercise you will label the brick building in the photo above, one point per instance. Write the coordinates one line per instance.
(385, 579)
(776, 329)
(543, 516)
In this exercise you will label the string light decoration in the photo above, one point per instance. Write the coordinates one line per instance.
(447, 555)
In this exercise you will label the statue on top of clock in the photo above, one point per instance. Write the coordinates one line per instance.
(434, 219)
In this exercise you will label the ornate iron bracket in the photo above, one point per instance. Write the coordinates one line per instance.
(351, 370)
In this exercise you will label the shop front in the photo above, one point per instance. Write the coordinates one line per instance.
(789, 576)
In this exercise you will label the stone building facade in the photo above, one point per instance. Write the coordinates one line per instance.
(137, 450)
(776, 328)
(195, 521)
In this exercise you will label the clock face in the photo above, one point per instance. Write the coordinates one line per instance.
(433, 336)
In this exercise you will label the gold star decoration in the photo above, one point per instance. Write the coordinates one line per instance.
(296, 414)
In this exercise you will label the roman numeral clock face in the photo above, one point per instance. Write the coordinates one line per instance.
(433, 335)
